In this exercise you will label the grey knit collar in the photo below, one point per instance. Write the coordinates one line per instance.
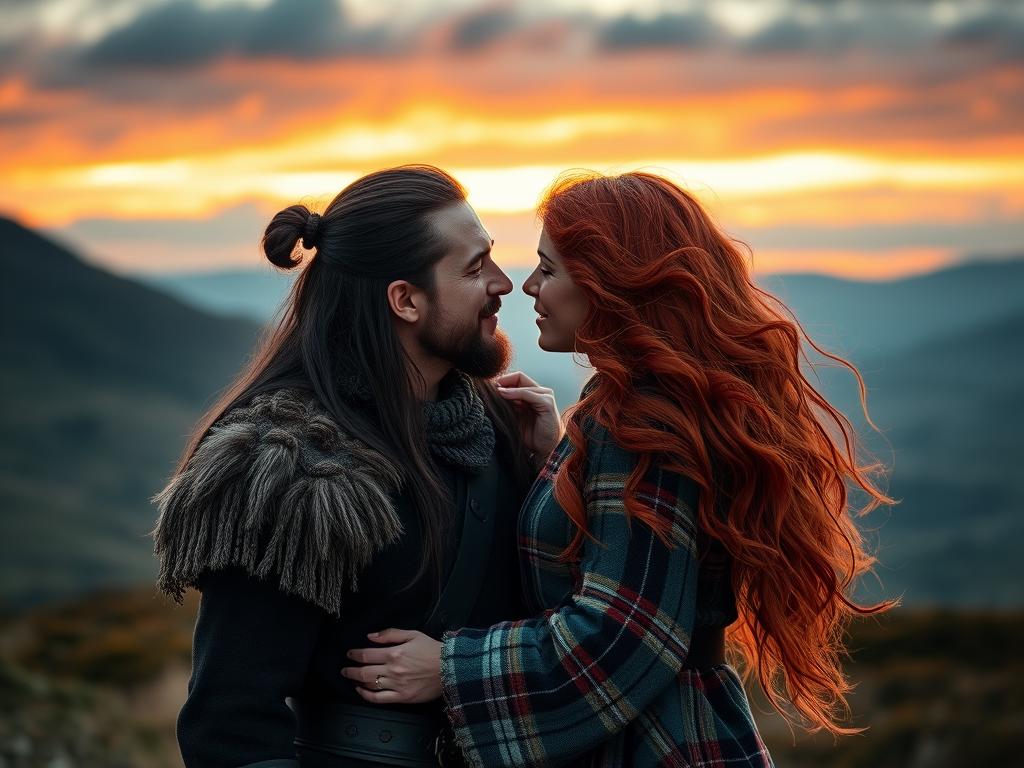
(458, 430)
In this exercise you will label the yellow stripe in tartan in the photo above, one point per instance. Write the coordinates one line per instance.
(682, 531)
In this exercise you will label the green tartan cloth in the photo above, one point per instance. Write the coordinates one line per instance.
(596, 677)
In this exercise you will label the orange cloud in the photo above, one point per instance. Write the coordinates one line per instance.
(786, 138)
(885, 265)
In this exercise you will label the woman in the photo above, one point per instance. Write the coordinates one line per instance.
(701, 485)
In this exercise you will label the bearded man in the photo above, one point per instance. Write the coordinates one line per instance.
(361, 473)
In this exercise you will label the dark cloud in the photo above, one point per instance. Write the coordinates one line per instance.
(783, 35)
(171, 35)
(664, 31)
(833, 29)
(10, 53)
(184, 34)
(477, 29)
(1003, 31)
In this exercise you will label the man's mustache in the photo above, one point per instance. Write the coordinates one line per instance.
(491, 308)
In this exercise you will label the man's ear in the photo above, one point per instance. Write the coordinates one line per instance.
(406, 301)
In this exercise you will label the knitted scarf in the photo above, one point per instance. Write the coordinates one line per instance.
(458, 431)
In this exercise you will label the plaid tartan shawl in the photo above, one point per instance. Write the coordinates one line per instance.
(596, 678)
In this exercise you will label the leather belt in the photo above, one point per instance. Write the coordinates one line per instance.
(370, 734)
(707, 648)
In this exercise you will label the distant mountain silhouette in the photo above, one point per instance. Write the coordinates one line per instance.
(862, 318)
(102, 378)
(854, 317)
(950, 410)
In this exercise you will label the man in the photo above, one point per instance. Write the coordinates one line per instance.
(360, 474)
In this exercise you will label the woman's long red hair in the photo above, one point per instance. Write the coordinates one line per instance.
(672, 302)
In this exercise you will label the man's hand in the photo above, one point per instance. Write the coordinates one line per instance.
(539, 421)
(406, 672)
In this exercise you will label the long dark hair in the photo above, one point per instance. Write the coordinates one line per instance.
(336, 328)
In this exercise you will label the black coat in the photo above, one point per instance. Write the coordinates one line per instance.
(256, 646)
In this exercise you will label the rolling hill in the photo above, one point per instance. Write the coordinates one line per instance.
(102, 378)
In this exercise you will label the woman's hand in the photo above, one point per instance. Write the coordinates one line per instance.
(407, 672)
(539, 421)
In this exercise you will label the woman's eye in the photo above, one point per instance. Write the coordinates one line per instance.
(545, 272)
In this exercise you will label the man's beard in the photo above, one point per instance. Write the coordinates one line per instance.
(468, 348)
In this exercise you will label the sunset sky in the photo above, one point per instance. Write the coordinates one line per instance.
(863, 138)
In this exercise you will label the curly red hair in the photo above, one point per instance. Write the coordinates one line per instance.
(699, 369)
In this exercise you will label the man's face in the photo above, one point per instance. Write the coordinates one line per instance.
(461, 326)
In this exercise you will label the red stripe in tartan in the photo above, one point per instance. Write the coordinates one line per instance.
(587, 674)
(519, 694)
(637, 614)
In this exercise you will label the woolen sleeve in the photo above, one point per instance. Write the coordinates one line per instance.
(551, 688)
(251, 651)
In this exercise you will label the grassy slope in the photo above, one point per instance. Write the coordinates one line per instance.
(102, 379)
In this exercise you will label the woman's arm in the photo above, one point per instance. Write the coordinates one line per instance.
(251, 650)
(554, 687)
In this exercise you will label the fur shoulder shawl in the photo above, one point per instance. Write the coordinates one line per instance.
(278, 489)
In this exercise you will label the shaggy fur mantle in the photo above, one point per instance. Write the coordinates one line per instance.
(277, 488)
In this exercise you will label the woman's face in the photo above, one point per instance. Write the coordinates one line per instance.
(560, 304)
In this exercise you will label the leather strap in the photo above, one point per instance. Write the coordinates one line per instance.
(371, 734)
(462, 589)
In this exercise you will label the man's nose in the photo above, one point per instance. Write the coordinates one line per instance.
(502, 285)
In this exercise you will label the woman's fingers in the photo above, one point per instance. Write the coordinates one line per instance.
(366, 675)
(515, 379)
(541, 398)
(383, 655)
(372, 655)
(393, 635)
(381, 697)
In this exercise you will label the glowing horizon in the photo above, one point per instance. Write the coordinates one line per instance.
(881, 158)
